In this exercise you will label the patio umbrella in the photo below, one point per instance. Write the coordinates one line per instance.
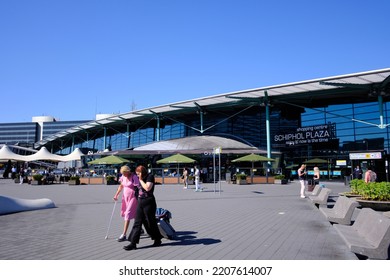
(109, 160)
(177, 158)
(316, 161)
(291, 166)
(252, 158)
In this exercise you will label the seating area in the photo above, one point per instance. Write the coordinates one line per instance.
(321, 198)
(316, 190)
(369, 234)
(342, 211)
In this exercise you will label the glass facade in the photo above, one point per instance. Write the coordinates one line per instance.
(356, 125)
(50, 128)
(27, 133)
(23, 134)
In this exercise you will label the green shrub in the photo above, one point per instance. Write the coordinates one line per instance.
(375, 191)
(356, 186)
(75, 178)
(279, 177)
(241, 176)
(110, 178)
(37, 177)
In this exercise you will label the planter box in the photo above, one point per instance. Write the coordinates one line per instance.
(261, 180)
(168, 180)
(33, 182)
(241, 182)
(158, 180)
(74, 182)
(374, 205)
(92, 181)
(113, 182)
(280, 181)
(350, 195)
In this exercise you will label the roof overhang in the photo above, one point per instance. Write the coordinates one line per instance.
(359, 87)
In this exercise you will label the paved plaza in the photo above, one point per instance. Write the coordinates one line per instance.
(241, 222)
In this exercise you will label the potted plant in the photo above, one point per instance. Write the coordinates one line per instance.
(241, 179)
(37, 179)
(110, 180)
(74, 180)
(280, 179)
(375, 195)
(355, 185)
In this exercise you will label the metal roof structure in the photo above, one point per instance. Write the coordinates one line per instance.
(359, 87)
(195, 145)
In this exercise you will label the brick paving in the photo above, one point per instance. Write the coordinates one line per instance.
(242, 222)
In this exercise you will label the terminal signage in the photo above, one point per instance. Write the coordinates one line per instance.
(306, 135)
(372, 155)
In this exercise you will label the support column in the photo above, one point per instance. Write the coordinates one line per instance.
(104, 138)
(201, 113)
(380, 104)
(158, 128)
(268, 131)
(128, 135)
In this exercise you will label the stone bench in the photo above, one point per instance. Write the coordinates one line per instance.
(321, 198)
(369, 235)
(316, 190)
(342, 211)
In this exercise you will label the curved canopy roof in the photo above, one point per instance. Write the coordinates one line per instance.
(43, 154)
(359, 87)
(7, 154)
(193, 145)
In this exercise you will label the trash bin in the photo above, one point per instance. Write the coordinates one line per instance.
(347, 179)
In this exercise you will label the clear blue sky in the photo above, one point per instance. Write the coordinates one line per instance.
(72, 59)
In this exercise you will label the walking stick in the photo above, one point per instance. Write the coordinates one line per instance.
(109, 224)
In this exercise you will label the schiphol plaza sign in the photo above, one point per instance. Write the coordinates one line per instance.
(306, 135)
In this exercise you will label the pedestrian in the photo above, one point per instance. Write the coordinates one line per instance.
(13, 172)
(21, 175)
(370, 175)
(198, 188)
(128, 183)
(146, 210)
(185, 178)
(301, 176)
(316, 176)
(357, 173)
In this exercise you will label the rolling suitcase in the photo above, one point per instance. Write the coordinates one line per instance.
(163, 216)
(166, 229)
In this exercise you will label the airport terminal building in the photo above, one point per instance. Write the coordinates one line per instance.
(342, 121)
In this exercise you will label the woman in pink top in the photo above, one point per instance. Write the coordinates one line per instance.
(128, 183)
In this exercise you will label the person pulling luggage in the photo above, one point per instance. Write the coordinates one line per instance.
(146, 211)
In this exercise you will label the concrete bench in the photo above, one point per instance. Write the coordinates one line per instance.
(369, 235)
(341, 212)
(321, 198)
(316, 190)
